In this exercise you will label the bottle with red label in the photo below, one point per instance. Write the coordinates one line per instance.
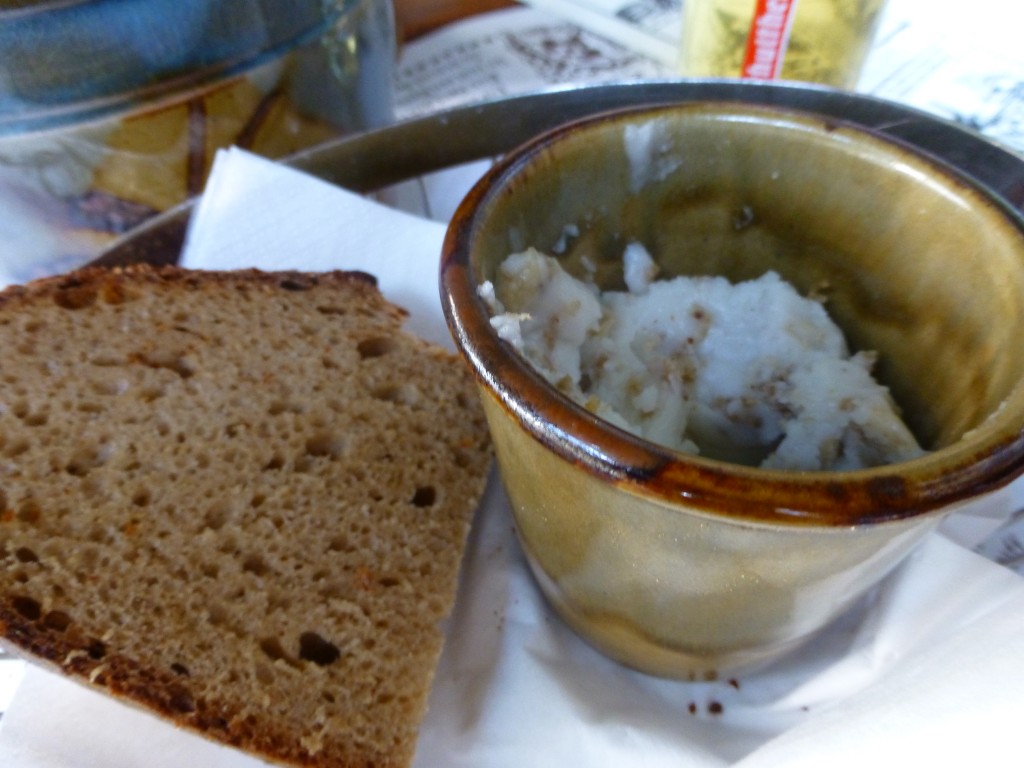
(819, 41)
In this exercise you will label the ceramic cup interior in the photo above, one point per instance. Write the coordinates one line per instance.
(686, 566)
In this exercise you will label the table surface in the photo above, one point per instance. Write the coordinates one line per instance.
(414, 18)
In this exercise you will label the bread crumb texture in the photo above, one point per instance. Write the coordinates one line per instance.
(237, 499)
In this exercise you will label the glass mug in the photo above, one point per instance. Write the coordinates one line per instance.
(820, 41)
(111, 111)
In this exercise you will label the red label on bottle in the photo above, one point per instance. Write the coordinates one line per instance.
(768, 39)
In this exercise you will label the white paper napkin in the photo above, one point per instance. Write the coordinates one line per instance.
(955, 703)
(253, 215)
(921, 668)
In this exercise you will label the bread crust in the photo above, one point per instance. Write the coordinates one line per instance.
(250, 531)
(84, 286)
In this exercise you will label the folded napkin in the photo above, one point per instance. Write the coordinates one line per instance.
(952, 703)
(254, 215)
(925, 667)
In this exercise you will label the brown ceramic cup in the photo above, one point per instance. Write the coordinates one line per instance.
(686, 566)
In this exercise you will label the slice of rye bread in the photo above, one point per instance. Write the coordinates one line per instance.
(239, 499)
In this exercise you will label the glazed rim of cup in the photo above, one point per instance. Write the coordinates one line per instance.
(986, 458)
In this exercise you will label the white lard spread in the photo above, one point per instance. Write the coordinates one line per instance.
(750, 372)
